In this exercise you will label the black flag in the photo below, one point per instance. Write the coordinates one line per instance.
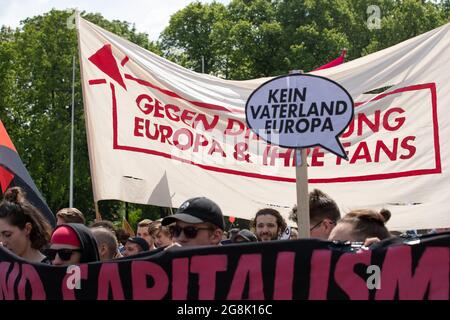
(14, 174)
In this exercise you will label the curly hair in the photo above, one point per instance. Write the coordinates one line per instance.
(268, 211)
(18, 212)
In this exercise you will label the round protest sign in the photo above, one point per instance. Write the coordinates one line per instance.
(299, 111)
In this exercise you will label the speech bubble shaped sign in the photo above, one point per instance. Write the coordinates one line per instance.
(300, 111)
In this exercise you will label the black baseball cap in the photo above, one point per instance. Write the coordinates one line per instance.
(197, 210)
(245, 234)
(140, 242)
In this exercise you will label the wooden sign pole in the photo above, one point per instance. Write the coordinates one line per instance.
(301, 174)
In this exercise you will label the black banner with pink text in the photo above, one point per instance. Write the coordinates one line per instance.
(279, 270)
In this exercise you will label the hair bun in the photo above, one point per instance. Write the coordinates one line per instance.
(15, 195)
(386, 214)
(316, 194)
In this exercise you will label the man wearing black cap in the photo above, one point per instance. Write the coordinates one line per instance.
(244, 235)
(134, 246)
(198, 222)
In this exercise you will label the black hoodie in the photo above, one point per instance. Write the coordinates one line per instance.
(87, 242)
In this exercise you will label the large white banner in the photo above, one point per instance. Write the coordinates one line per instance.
(160, 134)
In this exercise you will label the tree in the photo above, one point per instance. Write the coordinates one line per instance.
(249, 39)
(187, 40)
(35, 100)
(238, 42)
(7, 72)
(405, 20)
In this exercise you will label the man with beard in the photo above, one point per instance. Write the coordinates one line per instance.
(268, 224)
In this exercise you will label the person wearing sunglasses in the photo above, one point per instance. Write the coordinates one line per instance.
(323, 214)
(198, 222)
(72, 243)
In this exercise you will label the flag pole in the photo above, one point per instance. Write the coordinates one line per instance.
(71, 135)
(98, 216)
(83, 84)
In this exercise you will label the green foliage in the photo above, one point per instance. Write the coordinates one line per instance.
(406, 20)
(35, 104)
(134, 217)
(190, 37)
(249, 39)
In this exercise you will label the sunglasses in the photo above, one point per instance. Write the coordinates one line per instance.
(318, 224)
(64, 254)
(189, 231)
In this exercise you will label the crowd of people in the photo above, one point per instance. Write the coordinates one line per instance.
(198, 222)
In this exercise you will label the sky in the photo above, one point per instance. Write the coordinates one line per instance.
(149, 16)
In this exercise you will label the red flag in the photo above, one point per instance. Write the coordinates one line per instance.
(14, 174)
(339, 60)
